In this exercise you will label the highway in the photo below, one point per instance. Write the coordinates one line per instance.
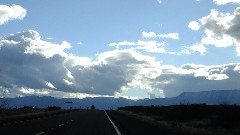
(84, 122)
(132, 126)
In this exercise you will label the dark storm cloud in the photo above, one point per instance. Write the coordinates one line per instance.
(29, 62)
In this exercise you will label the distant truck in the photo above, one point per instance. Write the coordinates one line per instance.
(53, 108)
(93, 107)
(28, 107)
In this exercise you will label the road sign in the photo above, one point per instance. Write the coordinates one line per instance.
(68, 102)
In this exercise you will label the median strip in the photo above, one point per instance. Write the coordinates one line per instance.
(115, 127)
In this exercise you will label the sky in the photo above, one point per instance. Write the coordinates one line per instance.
(118, 48)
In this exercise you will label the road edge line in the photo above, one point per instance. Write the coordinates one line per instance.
(115, 127)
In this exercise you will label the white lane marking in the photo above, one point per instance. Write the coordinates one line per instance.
(72, 120)
(61, 125)
(40, 133)
(118, 132)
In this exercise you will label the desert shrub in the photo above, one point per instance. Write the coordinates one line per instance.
(53, 108)
(225, 115)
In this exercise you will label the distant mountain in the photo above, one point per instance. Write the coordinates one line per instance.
(214, 97)
(103, 103)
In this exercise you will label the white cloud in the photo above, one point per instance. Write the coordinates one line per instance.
(154, 35)
(151, 46)
(147, 46)
(189, 77)
(68, 82)
(216, 26)
(223, 2)
(149, 34)
(193, 25)
(49, 38)
(60, 74)
(8, 13)
(237, 68)
(79, 43)
(200, 48)
(221, 29)
(217, 77)
(31, 63)
(26, 91)
(123, 43)
(169, 35)
(48, 84)
(159, 1)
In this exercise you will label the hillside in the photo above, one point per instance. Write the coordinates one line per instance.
(214, 97)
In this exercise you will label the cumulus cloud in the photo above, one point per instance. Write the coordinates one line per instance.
(29, 63)
(200, 48)
(189, 77)
(159, 1)
(149, 34)
(123, 43)
(216, 26)
(148, 43)
(50, 85)
(148, 46)
(154, 35)
(49, 38)
(193, 25)
(221, 29)
(8, 13)
(169, 35)
(114, 71)
(33, 66)
(223, 2)
(79, 43)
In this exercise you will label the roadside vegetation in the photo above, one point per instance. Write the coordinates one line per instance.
(196, 119)
(29, 112)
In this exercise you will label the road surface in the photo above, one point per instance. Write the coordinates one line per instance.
(132, 126)
(84, 122)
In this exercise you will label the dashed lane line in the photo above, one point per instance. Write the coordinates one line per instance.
(61, 125)
(118, 132)
(40, 133)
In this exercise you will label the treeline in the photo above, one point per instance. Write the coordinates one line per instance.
(53, 108)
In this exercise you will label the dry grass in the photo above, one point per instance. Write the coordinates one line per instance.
(8, 116)
(192, 127)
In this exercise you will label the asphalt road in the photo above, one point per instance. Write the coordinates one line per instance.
(84, 122)
(132, 126)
